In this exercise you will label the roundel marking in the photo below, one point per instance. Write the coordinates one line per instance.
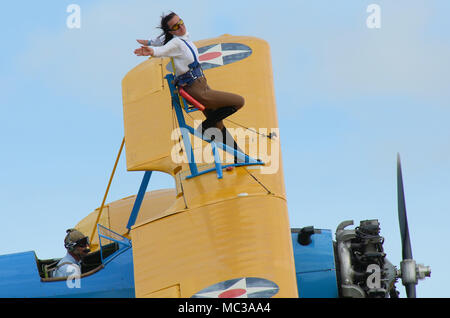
(220, 54)
(209, 56)
(245, 287)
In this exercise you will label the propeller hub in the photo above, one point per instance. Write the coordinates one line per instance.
(410, 272)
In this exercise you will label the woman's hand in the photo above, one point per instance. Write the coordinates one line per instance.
(144, 51)
(143, 42)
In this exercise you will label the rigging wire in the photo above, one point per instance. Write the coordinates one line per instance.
(257, 180)
(252, 130)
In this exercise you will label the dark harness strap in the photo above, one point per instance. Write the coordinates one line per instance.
(193, 53)
(49, 269)
(195, 70)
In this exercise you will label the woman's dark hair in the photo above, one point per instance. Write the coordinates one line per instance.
(165, 28)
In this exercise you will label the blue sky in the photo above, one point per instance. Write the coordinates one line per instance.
(349, 98)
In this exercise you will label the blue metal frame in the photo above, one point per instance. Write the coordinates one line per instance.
(139, 198)
(214, 145)
(124, 243)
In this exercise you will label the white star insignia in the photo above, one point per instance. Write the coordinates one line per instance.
(239, 285)
(218, 49)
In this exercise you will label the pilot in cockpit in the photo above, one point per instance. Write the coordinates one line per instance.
(77, 245)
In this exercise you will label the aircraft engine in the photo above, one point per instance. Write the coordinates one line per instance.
(361, 264)
(362, 267)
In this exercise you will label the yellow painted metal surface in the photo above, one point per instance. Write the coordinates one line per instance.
(199, 247)
(115, 215)
(215, 229)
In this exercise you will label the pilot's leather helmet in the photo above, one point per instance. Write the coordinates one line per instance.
(74, 238)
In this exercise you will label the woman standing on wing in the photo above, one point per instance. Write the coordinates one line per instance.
(175, 42)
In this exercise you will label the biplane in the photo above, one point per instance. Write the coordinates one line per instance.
(223, 231)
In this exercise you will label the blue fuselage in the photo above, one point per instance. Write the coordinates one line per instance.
(19, 274)
(19, 278)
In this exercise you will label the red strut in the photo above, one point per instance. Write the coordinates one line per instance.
(190, 99)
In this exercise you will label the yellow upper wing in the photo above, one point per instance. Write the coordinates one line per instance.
(209, 232)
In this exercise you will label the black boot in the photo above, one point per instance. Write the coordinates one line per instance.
(216, 116)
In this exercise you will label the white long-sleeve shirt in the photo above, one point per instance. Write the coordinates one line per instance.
(176, 48)
(70, 267)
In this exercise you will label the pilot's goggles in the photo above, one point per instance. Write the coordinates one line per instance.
(82, 242)
(177, 25)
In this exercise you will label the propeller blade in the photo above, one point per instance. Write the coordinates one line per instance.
(402, 218)
(403, 222)
(410, 290)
